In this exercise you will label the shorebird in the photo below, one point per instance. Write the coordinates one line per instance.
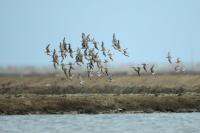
(95, 57)
(118, 46)
(125, 52)
(91, 52)
(106, 71)
(55, 59)
(88, 38)
(55, 63)
(85, 41)
(90, 65)
(95, 44)
(169, 58)
(152, 70)
(79, 57)
(48, 51)
(114, 42)
(103, 48)
(85, 52)
(70, 70)
(144, 65)
(65, 47)
(84, 44)
(83, 35)
(179, 69)
(62, 51)
(178, 60)
(105, 61)
(137, 69)
(71, 66)
(110, 55)
(70, 50)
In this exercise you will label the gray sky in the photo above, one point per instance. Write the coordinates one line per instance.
(148, 28)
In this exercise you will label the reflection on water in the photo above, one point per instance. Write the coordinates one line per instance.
(110, 123)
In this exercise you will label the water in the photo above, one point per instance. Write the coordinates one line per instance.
(102, 123)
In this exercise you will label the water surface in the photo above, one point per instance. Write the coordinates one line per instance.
(102, 123)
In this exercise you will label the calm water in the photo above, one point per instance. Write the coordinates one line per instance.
(102, 123)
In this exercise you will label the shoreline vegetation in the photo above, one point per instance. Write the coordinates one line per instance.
(56, 95)
(96, 103)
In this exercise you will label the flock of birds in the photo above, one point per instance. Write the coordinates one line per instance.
(89, 54)
(178, 66)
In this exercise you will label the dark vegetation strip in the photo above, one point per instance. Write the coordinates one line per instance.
(92, 104)
(109, 89)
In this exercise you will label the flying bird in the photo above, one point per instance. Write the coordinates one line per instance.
(118, 46)
(106, 71)
(178, 60)
(88, 38)
(105, 61)
(62, 51)
(109, 55)
(103, 49)
(137, 69)
(95, 44)
(152, 70)
(48, 51)
(70, 70)
(178, 68)
(55, 59)
(65, 47)
(79, 57)
(169, 58)
(125, 52)
(144, 65)
(70, 51)
(114, 42)
(85, 41)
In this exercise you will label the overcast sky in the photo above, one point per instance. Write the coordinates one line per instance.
(148, 28)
